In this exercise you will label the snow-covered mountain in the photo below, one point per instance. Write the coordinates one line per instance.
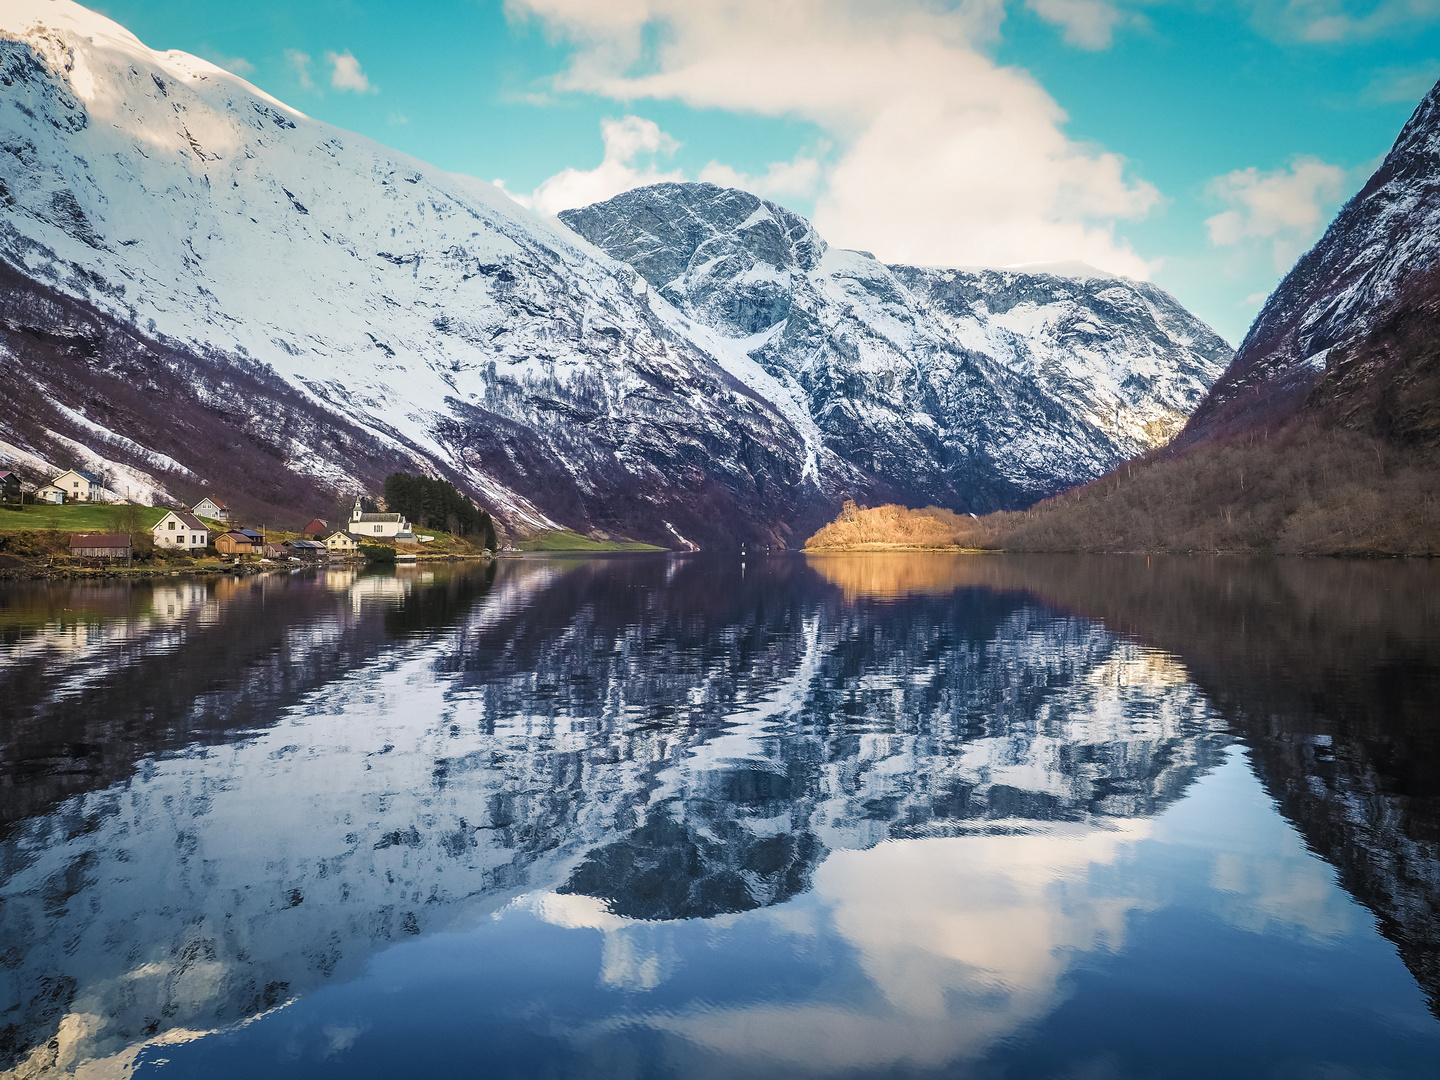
(201, 287)
(979, 388)
(428, 313)
(1381, 242)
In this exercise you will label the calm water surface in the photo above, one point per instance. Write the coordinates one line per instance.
(992, 817)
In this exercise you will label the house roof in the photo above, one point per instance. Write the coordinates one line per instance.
(91, 477)
(318, 521)
(379, 517)
(5, 474)
(190, 521)
(100, 540)
(304, 544)
(338, 532)
(251, 533)
(243, 534)
(219, 505)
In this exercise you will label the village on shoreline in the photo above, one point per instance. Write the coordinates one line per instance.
(75, 527)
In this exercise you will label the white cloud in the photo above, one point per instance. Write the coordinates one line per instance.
(300, 64)
(1402, 84)
(943, 156)
(1334, 21)
(1090, 24)
(797, 177)
(631, 147)
(1286, 208)
(345, 73)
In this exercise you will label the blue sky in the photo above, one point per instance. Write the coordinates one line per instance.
(1204, 145)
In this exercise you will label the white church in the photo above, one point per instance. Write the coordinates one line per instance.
(365, 526)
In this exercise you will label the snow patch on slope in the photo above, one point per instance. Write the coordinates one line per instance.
(425, 307)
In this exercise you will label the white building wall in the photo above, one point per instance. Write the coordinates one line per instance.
(171, 532)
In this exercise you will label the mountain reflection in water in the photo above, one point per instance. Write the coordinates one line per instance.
(869, 813)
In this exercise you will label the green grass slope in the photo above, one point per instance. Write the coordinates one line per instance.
(563, 540)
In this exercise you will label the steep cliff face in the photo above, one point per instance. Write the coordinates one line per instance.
(978, 389)
(1384, 240)
(445, 325)
(1323, 436)
(165, 423)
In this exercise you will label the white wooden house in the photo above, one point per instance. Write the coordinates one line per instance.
(82, 487)
(342, 542)
(179, 529)
(212, 508)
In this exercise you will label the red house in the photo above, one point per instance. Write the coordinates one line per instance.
(317, 528)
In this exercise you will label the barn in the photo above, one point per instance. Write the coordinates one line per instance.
(101, 546)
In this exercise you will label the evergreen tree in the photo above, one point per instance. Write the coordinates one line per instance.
(434, 504)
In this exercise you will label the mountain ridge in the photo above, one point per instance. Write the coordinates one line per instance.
(993, 387)
(458, 331)
(436, 326)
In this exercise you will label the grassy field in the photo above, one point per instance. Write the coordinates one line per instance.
(79, 517)
(562, 540)
(444, 544)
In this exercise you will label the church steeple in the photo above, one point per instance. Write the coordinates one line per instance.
(355, 514)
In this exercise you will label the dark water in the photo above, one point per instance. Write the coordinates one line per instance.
(682, 817)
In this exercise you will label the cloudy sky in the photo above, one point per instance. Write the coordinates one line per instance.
(1200, 145)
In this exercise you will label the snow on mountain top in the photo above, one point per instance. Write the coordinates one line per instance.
(1072, 268)
(36, 20)
(1068, 368)
(426, 306)
(455, 327)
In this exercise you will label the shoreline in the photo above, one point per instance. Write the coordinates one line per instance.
(41, 572)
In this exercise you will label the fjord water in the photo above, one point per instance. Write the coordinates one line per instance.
(697, 817)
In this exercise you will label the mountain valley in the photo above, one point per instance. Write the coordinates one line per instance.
(205, 288)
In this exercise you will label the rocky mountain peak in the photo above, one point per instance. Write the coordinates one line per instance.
(727, 257)
(978, 389)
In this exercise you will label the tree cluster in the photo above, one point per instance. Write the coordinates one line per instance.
(436, 504)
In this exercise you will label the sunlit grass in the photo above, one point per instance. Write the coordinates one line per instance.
(80, 517)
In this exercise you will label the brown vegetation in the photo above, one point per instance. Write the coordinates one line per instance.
(1356, 471)
(1352, 468)
(1309, 489)
(887, 527)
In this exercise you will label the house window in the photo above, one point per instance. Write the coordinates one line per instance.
(172, 526)
(377, 528)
